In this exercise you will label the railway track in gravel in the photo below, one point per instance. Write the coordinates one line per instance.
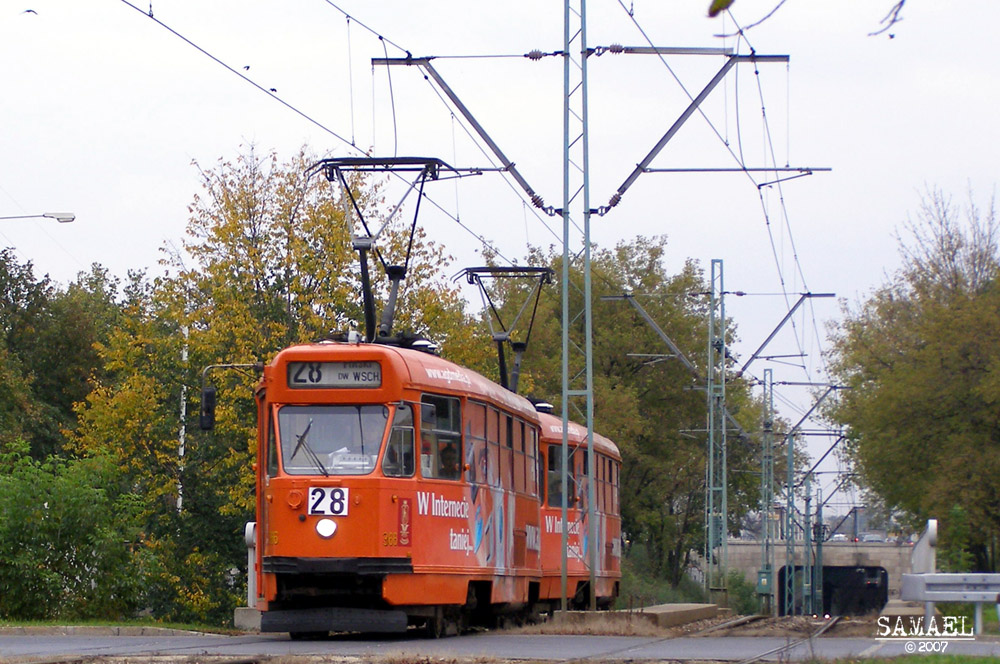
(793, 643)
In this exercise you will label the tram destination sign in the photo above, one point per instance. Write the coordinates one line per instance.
(334, 375)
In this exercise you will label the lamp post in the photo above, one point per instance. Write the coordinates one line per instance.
(61, 217)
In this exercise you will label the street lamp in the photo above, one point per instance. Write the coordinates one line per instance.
(61, 217)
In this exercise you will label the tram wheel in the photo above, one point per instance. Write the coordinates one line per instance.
(434, 627)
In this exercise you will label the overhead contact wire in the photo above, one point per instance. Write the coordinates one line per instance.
(480, 238)
(350, 77)
(491, 160)
(307, 117)
(386, 40)
(266, 91)
(690, 97)
(392, 102)
(366, 27)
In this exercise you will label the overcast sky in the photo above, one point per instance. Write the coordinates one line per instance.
(104, 110)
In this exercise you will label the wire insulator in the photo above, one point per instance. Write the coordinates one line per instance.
(615, 200)
(537, 201)
(534, 55)
(616, 48)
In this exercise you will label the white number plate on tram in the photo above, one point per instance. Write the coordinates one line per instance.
(334, 374)
(328, 500)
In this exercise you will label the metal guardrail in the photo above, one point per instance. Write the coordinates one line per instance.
(939, 587)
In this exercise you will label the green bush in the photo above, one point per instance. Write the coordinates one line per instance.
(742, 594)
(640, 588)
(66, 543)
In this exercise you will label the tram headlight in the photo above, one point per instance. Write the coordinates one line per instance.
(326, 528)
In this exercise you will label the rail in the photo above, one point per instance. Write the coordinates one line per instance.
(780, 652)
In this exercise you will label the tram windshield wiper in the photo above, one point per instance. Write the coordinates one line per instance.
(301, 443)
(361, 429)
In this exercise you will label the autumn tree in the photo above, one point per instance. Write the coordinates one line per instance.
(650, 406)
(47, 343)
(267, 263)
(921, 357)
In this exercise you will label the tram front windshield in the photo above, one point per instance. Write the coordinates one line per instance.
(331, 440)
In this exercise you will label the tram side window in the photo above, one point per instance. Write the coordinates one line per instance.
(272, 449)
(398, 458)
(441, 437)
(507, 452)
(493, 446)
(609, 488)
(475, 441)
(520, 476)
(583, 483)
(599, 482)
(616, 474)
(555, 478)
(533, 463)
(603, 504)
(540, 470)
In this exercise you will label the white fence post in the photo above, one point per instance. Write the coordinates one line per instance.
(250, 537)
(923, 560)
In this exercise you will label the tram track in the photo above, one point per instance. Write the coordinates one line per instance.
(730, 624)
(726, 640)
(793, 644)
(603, 656)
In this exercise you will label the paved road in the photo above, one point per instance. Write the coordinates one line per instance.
(529, 647)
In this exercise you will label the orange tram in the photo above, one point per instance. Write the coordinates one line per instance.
(397, 489)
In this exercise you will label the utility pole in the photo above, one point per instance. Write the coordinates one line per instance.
(790, 529)
(716, 498)
(807, 594)
(182, 431)
(577, 321)
(819, 537)
(765, 578)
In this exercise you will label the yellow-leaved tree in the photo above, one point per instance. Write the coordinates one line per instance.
(267, 263)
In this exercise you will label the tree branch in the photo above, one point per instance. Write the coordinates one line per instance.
(891, 19)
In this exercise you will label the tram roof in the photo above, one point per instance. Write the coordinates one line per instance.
(425, 371)
(552, 428)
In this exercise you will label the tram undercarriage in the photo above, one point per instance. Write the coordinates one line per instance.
(311, 603)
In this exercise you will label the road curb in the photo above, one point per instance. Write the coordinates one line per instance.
(80, 630)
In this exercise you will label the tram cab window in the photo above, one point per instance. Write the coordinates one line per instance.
(440, 437)
(398, 460)
(555, 478)
(324, 439)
